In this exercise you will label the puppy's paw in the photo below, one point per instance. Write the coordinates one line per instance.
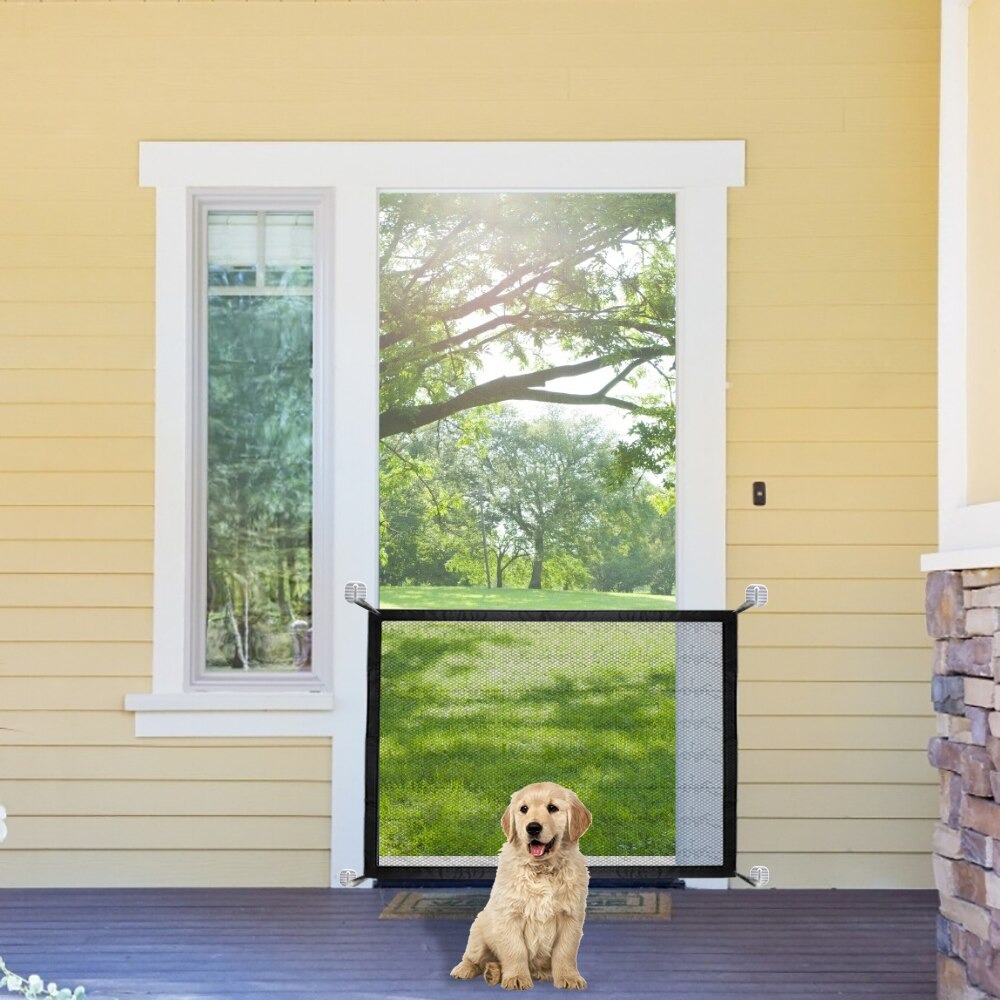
(492, 973)
(572, 982)
(516, 982)
(465, 970)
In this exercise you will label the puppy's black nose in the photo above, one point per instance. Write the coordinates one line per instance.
(534, 829)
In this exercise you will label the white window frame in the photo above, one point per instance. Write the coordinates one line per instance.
(968, 534)
(317, 679)
(348, 177)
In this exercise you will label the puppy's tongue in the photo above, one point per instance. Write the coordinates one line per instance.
(537, 850)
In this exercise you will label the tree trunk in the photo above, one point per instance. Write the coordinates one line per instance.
(241, 651)
(486, 552)
(535, 583)
(283, 602)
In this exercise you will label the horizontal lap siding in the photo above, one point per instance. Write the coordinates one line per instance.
(88, 803)
(69, 867)
(832, 403)
(831, 398)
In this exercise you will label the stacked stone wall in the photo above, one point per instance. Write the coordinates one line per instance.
(963, 617)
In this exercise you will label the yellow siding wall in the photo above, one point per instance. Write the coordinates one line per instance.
(831, 364)
(984, 250)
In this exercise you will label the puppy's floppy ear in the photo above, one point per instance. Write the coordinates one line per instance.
(579, 818)
(507, 822)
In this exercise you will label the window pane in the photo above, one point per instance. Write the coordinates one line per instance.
(232, 241)
(259, 489)
(288, 250)
(527, 400)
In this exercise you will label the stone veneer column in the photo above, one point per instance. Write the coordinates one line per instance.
(963, 616)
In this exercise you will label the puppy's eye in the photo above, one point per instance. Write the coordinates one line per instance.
(524, 809)
(553, 808)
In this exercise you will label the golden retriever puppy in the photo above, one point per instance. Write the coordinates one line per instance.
(532, 923)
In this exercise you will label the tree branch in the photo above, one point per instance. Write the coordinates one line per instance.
(402, 419)
(515, 319)
(418, 272)
(548, 396)
(502, 290)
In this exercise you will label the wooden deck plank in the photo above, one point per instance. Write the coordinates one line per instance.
(170, 944)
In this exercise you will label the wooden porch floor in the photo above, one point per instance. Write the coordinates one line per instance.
(186, 944)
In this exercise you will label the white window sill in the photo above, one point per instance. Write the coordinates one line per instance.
(232, 713)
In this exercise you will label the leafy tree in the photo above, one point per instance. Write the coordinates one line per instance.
(498, 558)
(423, 514)
(549, 286)
(543, 478)
(565, 299)
(519, 504)
(634, 540)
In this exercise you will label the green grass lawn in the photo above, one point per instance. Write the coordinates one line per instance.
(458, 598)
(471, 711)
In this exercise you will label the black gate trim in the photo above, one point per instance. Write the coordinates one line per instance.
(615, 873)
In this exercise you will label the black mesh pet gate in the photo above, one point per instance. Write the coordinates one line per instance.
(633, 710)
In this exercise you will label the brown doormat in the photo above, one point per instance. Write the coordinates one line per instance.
(464, 904)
